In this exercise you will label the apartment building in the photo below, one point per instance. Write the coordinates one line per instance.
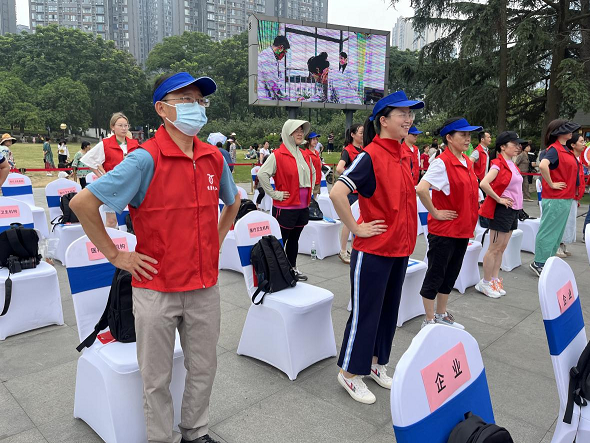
(7, 17)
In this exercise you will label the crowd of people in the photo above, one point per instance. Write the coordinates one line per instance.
(175, 176)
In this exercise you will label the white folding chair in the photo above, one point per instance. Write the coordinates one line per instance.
(325, 235)
(327, 207)
(36, 300)
(324, 185)
(266, 203)
(242, 192)
(438, 379)
(566, 336)
(109, 388)
(511, 256)
(19, 187)
(529, 228)
(291, 329)
(64, 233)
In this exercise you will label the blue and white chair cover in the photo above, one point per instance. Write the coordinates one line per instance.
(414, 417)
(19, 187)
(292, 329)
(566, 337)
(109, 389)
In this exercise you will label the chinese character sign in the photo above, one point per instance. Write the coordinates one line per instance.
(565, 297)
(64, 191)
(95, 254)
(259, 229)
(445, 375)
(16, 181)
(9, 211)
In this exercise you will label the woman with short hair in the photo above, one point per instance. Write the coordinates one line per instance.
(77, 164)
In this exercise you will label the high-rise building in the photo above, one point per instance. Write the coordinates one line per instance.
(87, 15)
(124, 21)
(309, 10)
(404, 36)
(7, 17)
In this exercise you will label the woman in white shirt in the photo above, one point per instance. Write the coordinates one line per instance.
(62, 153)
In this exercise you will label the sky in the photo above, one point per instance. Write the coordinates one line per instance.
(372, 14)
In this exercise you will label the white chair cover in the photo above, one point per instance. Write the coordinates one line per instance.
(243, 193)
(511, 257)
(53, 192)
(566, 336)
(35, 303)
(292, 328)
(325, 235)
(90, 177)
(15, 211)
(109, 389)
(324, 185)
(229, 258)
(19, 187)
(439, 357)
(529, 229)
(327, 207)
(266, 203)
(539, 186)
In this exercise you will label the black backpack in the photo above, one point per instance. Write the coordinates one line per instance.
(579, 387)
(18, 243)
(245, 207)
(129, 224)
(118, 313)
(315, 213)
(271, 267)
(474, 430)
(68, 215)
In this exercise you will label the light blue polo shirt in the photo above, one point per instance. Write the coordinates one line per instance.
(129, 181)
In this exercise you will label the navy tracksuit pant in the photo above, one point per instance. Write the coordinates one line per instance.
(376, 287)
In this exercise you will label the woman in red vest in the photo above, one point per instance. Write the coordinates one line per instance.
(577, 146)
(503, 188)
(354, 146)
(310, 151)
(294, 177)
(451, 220)
(560, 172)
(382, 245)
(109, 152)
(409, 145)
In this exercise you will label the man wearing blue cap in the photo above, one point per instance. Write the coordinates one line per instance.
(409, 145)
(172, 184)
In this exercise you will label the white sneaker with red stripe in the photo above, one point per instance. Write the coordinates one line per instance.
(379, 374)
(357, 389)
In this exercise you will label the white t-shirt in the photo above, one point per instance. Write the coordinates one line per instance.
(438, 178)
(63, 150)
(264, 152)
(318, 147)
(95, 157)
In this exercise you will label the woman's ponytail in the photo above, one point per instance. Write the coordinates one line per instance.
(369, 132)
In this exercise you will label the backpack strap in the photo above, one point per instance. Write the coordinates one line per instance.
(573, 396)
(7, 295)
(15, 243)
(258, 291)
(102, 324)
(483, 237)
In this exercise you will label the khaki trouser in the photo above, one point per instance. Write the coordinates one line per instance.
(196, 314)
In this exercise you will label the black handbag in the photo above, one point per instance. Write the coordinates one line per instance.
(315, 213)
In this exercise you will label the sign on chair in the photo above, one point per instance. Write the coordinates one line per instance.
(259, 229)
(95, 254)
(9, 211)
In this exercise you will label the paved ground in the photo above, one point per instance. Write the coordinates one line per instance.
(253, 402)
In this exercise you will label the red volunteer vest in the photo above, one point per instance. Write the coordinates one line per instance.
(462, 199)
(314, 156)
(413, 160)
(177, 221)
(567, 171)
(287, 177)
(394, 201)
(499, 185)
(582, 187)
(479, 167)
(113, 154)
(352, 153)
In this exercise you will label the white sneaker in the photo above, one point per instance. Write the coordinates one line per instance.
(447, 319)
(357, 389)
(487, 289)
(498, 285)
(560, 253)
(379, 374)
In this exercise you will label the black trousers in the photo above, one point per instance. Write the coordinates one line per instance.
(292, 222)
(83, 182)
(445, 257)
(376, 290)
(261, 195)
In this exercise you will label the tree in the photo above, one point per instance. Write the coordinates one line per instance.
(24, 116)
(65, 101)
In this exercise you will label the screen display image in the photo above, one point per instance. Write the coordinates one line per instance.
(311, 64)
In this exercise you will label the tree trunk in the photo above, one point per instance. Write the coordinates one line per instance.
(585, 48)
(503, 67)
(554, 95)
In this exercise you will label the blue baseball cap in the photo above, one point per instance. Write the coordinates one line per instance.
(413, 130)
(398, 99)
(181, 80)
(313, 135)
(459, 125)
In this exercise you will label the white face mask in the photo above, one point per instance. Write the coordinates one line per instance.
(190, 118)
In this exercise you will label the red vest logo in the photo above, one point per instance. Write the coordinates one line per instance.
(211, 187)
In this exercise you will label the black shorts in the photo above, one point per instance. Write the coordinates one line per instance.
(445, 258)
(291, 218)
(505, 219)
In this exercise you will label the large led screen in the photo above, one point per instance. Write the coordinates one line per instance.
(308, 64)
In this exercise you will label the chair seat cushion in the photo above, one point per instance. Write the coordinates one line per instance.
(302, 297)
(122, 357)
